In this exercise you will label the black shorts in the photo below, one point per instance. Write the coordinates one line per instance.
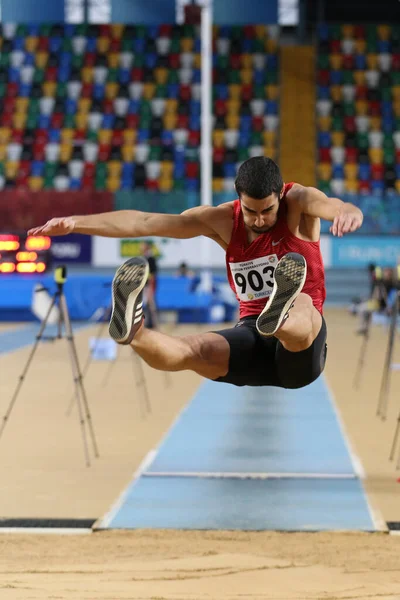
(256, 360)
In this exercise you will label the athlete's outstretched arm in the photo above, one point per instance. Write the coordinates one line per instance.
(133, 223)
(346, 217)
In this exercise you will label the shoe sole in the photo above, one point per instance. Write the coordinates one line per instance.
(128, 283)
(289, 277)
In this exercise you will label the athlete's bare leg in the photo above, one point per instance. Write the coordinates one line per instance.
(207, 354)
(302, 325)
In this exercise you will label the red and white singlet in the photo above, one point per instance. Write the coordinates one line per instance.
(250, 267)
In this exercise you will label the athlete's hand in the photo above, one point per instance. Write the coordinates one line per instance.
(349, 220)
(58, 226)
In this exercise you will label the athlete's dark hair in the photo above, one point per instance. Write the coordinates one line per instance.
(259, 177)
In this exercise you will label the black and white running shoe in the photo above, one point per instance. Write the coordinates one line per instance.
(289, 277)
(127, 299)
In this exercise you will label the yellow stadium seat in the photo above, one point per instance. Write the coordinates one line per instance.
(235, 91)
(271, 152)
(336, 93)
(111, 90)
(171, 106)
(260, 31)
(67, 135)
(19, 120)
(397, 184)
(104, 136)
(170, 121)
(87, 74)
(361, 107)
(376, 155)
(113, 60)
(360, 46)
(166, 184)
(35, 183)
(217, 185)
(375, 123)
(41, 59)
(271, 46)
(335, 61)
(81, 120)
(49, 89)
(129, 136)
(232, 121)
(21, 105)
(103, 44)
(113, 184)
(84, 105)
(149, 89)
(351, 185)
(269, 138)
(324, 171)
(187, 44)
(117, 30)
(197, 60)
(128, 152)
(396, 108)
(246, 76)
(372, 60)
(246, 60)
(359, 77)
(383, 32)
(161, 75)
(338, 138)
(11, 169)
(218, 138)
(396, 92)
(351, 171)
(5, 133)
(232, 107)
(167, 169)
(324, 123)
(31, 43)
(114, 168)
(3, 151)
(347, 31)
(272, 92)
(65, 151)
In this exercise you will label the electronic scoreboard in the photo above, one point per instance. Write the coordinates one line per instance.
(21, 254)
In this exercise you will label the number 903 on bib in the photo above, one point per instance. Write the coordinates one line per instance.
(254, 279)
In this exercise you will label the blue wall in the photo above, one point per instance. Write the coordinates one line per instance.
(239, 12)
(142, 12)
(32, 11)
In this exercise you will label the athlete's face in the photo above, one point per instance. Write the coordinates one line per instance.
(260, 215)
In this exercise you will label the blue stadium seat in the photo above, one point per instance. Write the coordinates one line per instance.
(338, 172)
(172, 90)
(64, 73)
(71, 106)
(99, 91)
(37, 168)
(323, 92)
(108, 121)
(75, 184)
(54, 136)
(336, 77)
(55, 44)
(19, 43)
(364, 172)
(25, 90)
(324, 139)
(91, 45)
(139, 45)
(360, 62)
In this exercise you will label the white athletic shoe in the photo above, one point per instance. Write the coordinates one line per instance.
(127, 299)
(289, 277)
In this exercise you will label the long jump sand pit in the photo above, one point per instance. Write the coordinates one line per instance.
(196, 565)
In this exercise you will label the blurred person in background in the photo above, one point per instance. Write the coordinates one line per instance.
(150, 299)
(271, 237)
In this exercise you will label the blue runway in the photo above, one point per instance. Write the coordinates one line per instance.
(252, 459)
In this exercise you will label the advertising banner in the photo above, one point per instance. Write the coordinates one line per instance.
(359, 251)
(73, 248)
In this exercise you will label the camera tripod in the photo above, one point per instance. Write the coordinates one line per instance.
(58, 298)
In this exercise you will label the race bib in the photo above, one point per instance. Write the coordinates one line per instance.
(254, 279)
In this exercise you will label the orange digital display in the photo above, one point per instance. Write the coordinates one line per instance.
(22, 254)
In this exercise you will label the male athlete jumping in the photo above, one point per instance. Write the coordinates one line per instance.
(274, 265)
